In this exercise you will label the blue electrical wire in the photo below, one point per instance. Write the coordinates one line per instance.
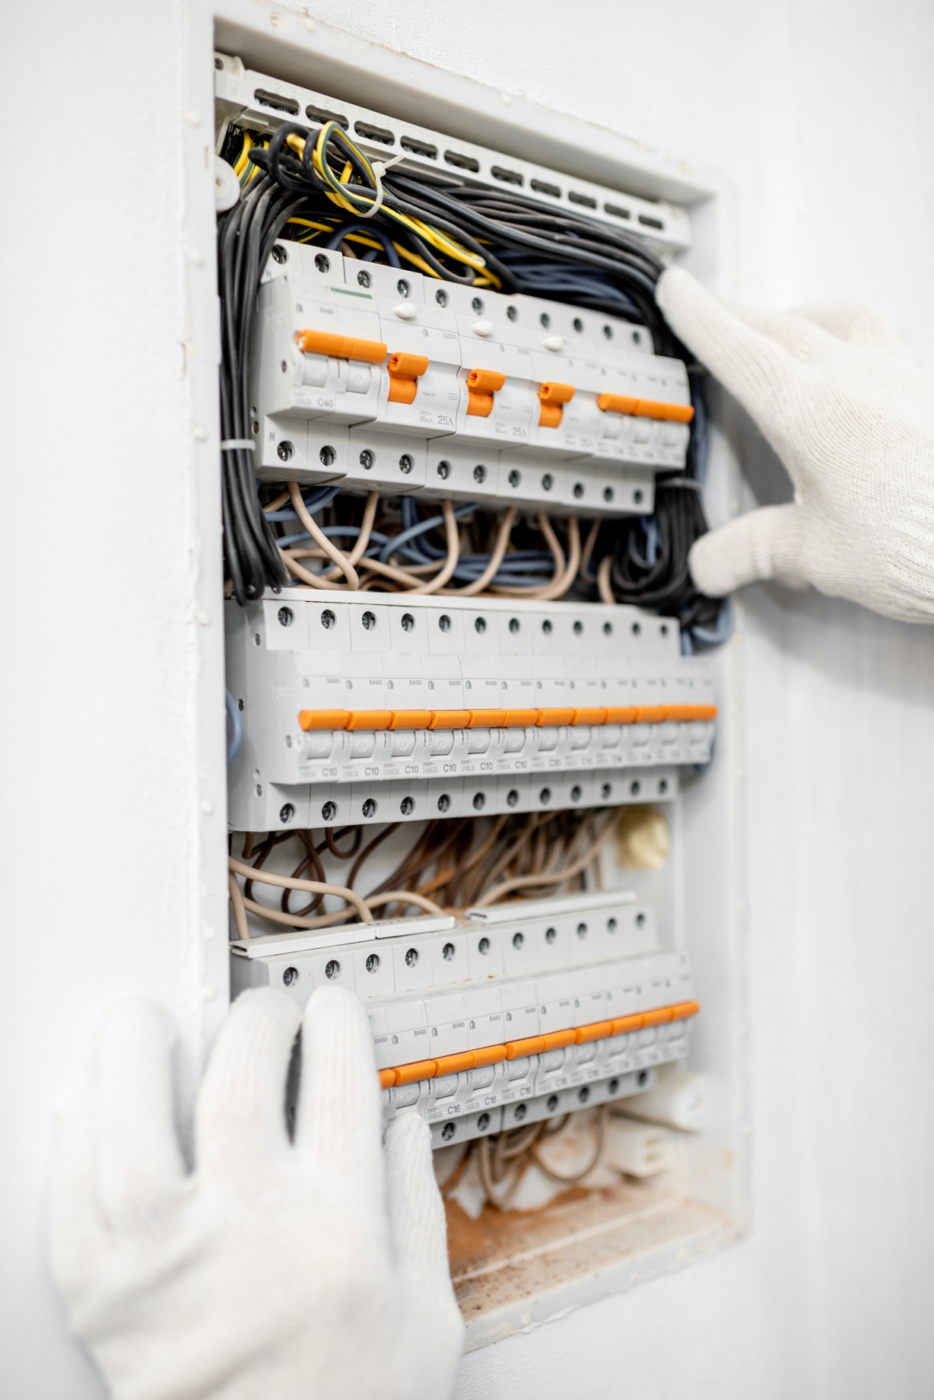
(361, 226)
(236, 727)
(315, 501)
(540, 278)
(400, 540)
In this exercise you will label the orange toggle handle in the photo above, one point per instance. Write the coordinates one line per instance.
(342, 347)
(485, 381)
(479, 405)
(645, 408)
(553, 393)
(549, 416)
(536, 1044)
(404, 371)
(323, 719)
(402, 390)
(594, 716)
(407, 366)
(449, 719)
(369, 719)
(454, 1064)
(409, 719)
(501, 719)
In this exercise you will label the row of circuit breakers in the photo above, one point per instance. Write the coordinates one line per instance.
(369, 708)
(388, 708)
(507, 1016)
(385, 380)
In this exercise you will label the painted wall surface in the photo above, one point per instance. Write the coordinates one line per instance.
(821, 115)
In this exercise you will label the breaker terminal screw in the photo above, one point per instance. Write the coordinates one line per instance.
(285, 451)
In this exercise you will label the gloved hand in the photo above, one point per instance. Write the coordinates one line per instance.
(313, 1271)
(850, 412)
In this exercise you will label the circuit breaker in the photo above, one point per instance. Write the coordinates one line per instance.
(504, 1017)
(373, 378)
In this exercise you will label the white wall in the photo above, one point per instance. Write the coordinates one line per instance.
(822, 117)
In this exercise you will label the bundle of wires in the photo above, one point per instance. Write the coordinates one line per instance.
(450, 865)
(318, 186)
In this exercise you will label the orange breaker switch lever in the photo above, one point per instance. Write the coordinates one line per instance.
(482, 384)
(342, 347)
(645, 408)
(552, 398)
(404, 373)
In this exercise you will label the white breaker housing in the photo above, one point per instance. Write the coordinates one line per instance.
(510, 1015)
(379, 378)
(382, 707)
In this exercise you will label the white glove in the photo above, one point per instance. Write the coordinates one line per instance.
(850, 412)
(313, 1271)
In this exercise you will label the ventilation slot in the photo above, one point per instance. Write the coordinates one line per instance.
(419, 148)
(617, 211)
(461, 162)
(508, 177)
(374, 133)
(649, 222)
(276, 101)
(540, 187)
(320, 114)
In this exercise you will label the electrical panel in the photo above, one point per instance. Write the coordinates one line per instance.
(463, 457)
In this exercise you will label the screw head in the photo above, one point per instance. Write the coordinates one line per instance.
(366, 459)
(444, 470)
(322, 263)
(286, 617)
(329, 812)
(285, 451)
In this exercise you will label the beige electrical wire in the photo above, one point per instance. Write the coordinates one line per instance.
(405, 897)
(496, 558)
(320, 538)
(236, 899)
(586, 552)
(573, 1177)
(564, 574)
(363, 539)
(603, 580)
(558, 878)
(284, 882)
